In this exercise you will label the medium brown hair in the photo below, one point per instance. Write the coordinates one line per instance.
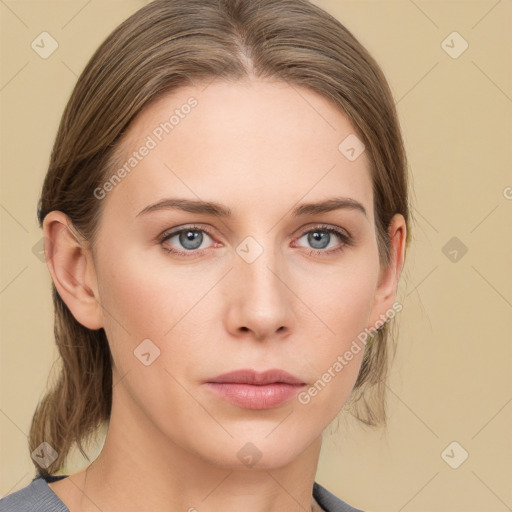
(172, 43)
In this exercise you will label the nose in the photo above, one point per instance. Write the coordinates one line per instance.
(259, 299)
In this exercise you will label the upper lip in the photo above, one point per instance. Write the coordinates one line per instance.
(249, 376)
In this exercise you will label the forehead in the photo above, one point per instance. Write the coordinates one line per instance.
(248, 140)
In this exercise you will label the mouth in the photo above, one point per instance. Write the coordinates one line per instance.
(249, 389)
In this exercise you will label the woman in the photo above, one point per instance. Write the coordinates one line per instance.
(225, 218)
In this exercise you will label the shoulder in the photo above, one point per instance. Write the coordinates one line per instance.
(329, 502)
(36, 496)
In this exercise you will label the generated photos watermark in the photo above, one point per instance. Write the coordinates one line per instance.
(343, 360)
(151, 142)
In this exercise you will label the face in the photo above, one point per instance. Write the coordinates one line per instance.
(260, 282)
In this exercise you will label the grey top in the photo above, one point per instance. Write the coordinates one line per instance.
(38, 497)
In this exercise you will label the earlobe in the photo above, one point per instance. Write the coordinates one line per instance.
(72, 269)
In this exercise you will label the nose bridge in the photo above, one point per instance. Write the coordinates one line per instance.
(262, 301)
(260, 265)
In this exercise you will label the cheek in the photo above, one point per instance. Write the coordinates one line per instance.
(343, 304)
(145, 321)
(351, 311)
(343, 300)
(143, 301)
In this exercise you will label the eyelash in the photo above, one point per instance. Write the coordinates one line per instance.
(345, 238)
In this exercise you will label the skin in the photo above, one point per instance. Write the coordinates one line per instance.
(259, 148)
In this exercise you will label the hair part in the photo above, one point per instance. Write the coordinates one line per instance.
(165, 45)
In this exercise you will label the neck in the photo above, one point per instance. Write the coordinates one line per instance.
(140, 468)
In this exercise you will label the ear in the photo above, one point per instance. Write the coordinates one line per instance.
(71, 266)
(389, 276)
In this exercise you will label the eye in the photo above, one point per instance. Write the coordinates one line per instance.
(322, 240)
(187, 241)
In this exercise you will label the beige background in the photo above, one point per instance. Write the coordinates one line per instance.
(452, 377)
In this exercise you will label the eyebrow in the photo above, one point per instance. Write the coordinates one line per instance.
(218, 210)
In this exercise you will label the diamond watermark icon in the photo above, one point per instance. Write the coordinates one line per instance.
(454, 45)
(44, 454)
(249, 454)
(454, 249)
(351, 147)
(38, 249)
(249, 249)
(146, 352)
(44, 45)
(454, 455)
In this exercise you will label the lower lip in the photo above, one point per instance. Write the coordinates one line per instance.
(250, 396)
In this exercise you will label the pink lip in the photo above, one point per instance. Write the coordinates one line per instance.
(252, 390)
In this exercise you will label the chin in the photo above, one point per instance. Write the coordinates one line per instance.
(258, 452)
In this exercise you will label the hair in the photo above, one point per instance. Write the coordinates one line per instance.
(165, 45)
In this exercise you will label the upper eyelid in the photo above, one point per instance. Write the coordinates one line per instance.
(175, 231)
